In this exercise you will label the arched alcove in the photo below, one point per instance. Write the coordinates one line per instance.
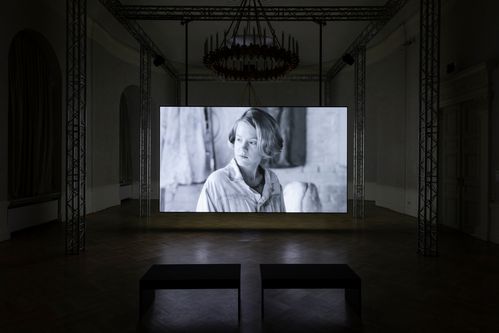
(34, 131)
(129, 127)
(35, 98)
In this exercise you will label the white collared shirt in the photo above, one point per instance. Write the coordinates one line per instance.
(226, 191)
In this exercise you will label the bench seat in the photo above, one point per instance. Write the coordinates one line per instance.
(189, 276)
(312, 276)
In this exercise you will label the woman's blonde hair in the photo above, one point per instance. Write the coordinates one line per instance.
(267, 131)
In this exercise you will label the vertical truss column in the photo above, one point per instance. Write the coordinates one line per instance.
(76, 96)
(429, 81)
(145, 132)
(358, 134)
(321, 26)
(186, 23)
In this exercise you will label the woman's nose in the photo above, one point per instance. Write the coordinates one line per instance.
(245, 145)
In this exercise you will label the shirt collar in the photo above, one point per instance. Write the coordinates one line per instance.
(235, 175)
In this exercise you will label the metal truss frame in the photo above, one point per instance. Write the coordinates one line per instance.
(359, 124)
(229, 13)
(137, 32)
(76, 103)
(429, 81)
(321, 28)
(392, 7)
(145, 132)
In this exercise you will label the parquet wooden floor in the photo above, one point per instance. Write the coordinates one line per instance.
(43, 290)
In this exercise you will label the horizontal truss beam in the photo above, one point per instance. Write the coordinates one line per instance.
(229, 13)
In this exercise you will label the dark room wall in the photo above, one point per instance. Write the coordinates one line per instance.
(469, 38)
(17, 16)
(469, 35)
(391, 118)
(111, 66)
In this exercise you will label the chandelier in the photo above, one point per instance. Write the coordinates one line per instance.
(249, 49)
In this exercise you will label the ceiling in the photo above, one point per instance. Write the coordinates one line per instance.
(169, 36)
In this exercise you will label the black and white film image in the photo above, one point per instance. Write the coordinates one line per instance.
(253, 159)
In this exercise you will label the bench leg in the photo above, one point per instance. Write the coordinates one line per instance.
(146, 298)
(354, 299)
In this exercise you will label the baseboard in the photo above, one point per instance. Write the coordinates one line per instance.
(396, 198)
(404, 201)
(31, 215)
(102, 197)
(494, 222)
(154, 190)
(4, 226)
(125, 192)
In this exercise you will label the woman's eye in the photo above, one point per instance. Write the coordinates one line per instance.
(253, 143)
(238, 139)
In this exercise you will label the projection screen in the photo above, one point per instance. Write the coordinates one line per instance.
(274, 159)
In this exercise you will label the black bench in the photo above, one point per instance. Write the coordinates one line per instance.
(196, 276)
(316, 276)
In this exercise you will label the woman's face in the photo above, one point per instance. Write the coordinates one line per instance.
(246, 150)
